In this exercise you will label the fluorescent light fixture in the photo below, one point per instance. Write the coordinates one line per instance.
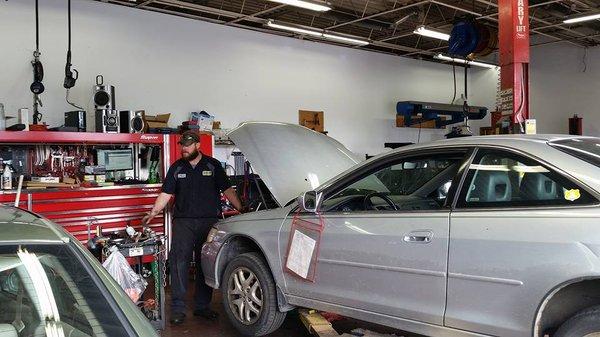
(583, 17)
(424, 31)
(463, 61)
(295, 29)
(318, 33)
(346, 39)
(315, 6)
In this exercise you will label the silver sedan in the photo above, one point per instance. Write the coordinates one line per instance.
(477, 236)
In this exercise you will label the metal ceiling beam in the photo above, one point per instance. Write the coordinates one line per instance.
(266, 11)
(236, 18)
(201, 8)
(407, 33)
(581, 3)
(545, 3)
(544, 22)
(559, 26)
(145, 3)
(480, 16)
(215, 11)
(489, 18)
(530, 7)
(377, 14)
(575, 38)
(455, 7)
(433, 50)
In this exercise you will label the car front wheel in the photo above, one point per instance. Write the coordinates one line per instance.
(586, 323)
(249, 296)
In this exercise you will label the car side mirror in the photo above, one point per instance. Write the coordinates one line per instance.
(310, 201)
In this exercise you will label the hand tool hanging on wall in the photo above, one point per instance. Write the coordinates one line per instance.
(153, 177)
(37, 87)
(71, 75)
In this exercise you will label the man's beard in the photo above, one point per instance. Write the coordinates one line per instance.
(190, 156)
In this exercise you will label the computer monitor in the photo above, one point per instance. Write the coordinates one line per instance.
(115, 160)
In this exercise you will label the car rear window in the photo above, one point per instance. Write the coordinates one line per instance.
(45, 289)
(587, 149)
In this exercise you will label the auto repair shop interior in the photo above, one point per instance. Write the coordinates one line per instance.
(381, 168)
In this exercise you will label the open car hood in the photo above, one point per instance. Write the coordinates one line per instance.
(291, 159)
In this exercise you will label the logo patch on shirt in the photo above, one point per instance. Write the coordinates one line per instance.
(207, 173)
(181, 175)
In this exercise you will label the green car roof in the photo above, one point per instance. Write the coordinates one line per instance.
(17, 225)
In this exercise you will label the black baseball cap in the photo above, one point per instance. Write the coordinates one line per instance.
(188, 138)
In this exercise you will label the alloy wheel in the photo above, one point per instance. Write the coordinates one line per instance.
(245, 296)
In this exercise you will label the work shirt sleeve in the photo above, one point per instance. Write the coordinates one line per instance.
(222, 179)
(168, 185)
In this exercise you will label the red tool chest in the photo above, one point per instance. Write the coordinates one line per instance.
(112, 207)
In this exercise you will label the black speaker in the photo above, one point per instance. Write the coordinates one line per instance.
(107, 121)
(132, 122)
(125, 121)
(76, 119)
(138, 123)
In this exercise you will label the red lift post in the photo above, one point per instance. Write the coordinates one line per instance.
(514, 60)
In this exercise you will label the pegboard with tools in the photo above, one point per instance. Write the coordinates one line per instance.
(63, 161)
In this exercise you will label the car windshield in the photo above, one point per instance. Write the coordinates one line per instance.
(46, 291)
(587, 149)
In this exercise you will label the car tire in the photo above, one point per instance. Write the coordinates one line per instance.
(247, 287)
(585, 323)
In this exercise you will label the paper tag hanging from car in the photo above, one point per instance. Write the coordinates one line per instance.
(303, 247)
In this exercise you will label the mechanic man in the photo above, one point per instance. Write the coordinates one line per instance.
(195, 181)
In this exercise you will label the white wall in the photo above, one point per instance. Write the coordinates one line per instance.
(164, 63)
(560, 87)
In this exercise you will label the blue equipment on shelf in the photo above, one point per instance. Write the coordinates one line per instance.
(432, 111)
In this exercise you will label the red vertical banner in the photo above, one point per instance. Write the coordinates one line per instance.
(514, 57)
(206, 146)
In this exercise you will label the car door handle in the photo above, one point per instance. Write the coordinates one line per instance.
(419, 237)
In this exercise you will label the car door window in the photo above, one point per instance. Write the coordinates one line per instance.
(45, 288)
(502, 179)
(418, 183)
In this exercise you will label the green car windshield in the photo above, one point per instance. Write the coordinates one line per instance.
(46, 291)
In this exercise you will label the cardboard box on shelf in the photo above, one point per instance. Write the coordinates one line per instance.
(158, 121)
(313, 120)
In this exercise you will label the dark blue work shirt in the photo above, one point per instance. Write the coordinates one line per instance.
(197, 190)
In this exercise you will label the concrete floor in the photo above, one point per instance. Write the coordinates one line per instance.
(292, 327)
(194, 326)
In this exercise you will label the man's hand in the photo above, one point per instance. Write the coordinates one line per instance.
(161, 202)
(146, 219)
(233, 199)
